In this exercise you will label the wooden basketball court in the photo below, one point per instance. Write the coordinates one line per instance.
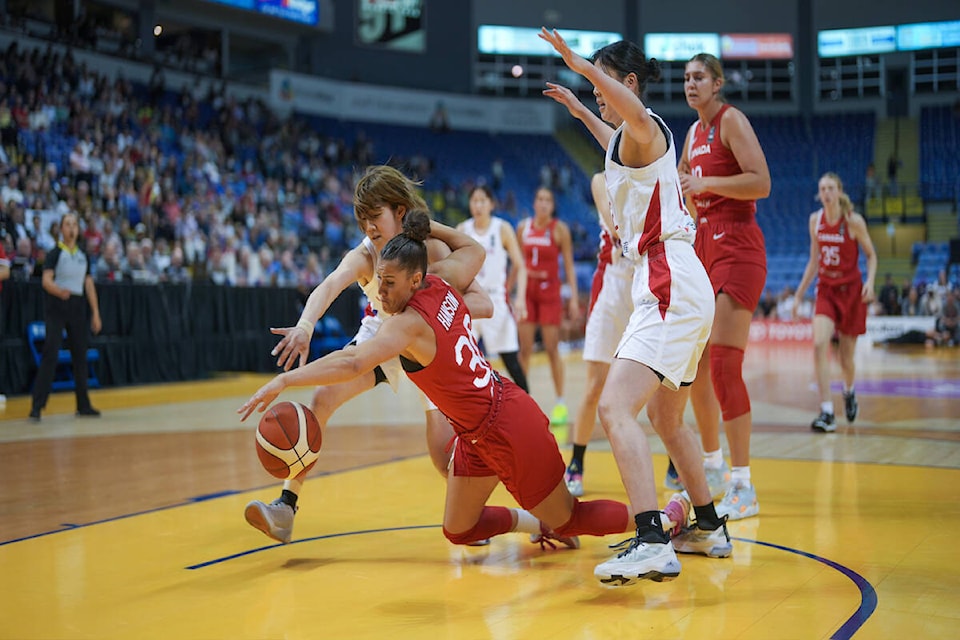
(131, 526)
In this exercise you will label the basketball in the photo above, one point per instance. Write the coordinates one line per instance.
(288, 439)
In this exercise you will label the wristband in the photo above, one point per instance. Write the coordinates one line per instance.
(306, 325)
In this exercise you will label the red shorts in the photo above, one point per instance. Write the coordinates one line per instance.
(517, 447)
(544, 303)
(842, 304)
(735, 257)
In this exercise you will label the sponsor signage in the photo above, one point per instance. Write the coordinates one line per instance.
(503, 40)
(852, 42)
(756, 46)
(398, 25)
(302, 11)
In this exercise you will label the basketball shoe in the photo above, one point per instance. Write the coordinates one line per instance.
(274, 519)
(714, 543)
(559, 415)
(574, 480)
(639, 560)
(674, 516)
(850, 406)
(718, 479)
(740, 501)
(824, 423)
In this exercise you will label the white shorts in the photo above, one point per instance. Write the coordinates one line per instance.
(392, 369)
(673, 312)
(498, 332)
(610, 313)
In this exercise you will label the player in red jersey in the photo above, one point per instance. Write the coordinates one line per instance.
(723, 172)
(543, 239)
(503, 436)
(837, 235)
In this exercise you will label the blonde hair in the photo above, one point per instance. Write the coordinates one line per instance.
(382, 185)
(712, 63)
(846, 206)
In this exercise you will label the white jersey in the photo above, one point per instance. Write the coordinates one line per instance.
(647, 202)
(493, 274)
(673, 300)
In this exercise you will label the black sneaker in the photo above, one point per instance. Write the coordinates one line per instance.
(89, 412)
(34, 414)
(850, 406)
(824, 423)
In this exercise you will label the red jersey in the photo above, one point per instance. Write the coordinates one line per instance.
(708, 157)
(540, 252)
(459, 381)
(839, 252)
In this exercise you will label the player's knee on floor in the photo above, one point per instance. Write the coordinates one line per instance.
(466, 537)
(726, 372)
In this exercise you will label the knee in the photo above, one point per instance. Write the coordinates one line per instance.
(726, 368)
(465, 537)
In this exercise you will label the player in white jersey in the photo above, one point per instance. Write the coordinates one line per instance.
(607, 316)
(499, 332)
(673, 307)
(382, 197)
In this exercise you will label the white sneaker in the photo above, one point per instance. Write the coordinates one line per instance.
(718, 480)
(639, 561)
(274, 519)
(739, 502)
(3, 399)
(574, 483)
(714, 543)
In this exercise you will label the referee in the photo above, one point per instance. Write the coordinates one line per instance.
(69, 287)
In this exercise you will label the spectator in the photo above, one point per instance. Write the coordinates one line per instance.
(946, 330)
(889, 297)
(911, 304)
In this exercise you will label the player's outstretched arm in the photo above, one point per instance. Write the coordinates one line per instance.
(295, 342)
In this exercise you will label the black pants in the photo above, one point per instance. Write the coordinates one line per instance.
(70, 315)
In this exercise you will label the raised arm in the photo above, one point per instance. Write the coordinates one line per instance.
(597, 127)
(356, 265)
(642, 142)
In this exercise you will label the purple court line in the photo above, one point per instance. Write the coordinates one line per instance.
(868, 595)
(914, 388)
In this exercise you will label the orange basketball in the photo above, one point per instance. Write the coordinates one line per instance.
(288, 439)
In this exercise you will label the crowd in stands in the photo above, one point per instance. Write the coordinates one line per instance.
(171, 186)
(168, 186)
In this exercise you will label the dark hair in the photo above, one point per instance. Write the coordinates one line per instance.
(486, 189)
(624, 58)
(408, 248)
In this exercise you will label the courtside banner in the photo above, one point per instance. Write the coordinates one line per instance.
(333, 99)
(879, 329)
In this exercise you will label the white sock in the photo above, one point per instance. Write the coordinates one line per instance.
(293, 485)
(740, 476)
(713, 459)
(847, 391)
(560, 400)
(526, 522)
(827, 407)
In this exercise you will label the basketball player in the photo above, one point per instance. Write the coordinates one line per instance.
(544, 239)
(837, 235)
(673, 307)
(382, 197)
(496, 236)
(723, 172)
(503, 436)
(607, 317)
